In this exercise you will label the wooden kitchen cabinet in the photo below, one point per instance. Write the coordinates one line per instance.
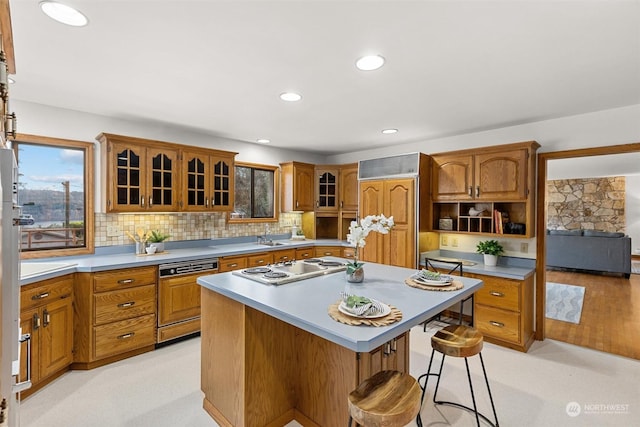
(178, 306)
(115, 315)
(321, 251)
(259, 259)
(305, 253)
(393, 197)
(139, 175)
(230, 263)
(491, 174)
(392, 355)
(207, 177)
(504, 311)
(47, 314)
(498, 178)
(297, 186)
(327, 180)
(349, 187)
(284, 255)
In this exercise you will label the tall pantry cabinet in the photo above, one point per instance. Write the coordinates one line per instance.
(399, 193)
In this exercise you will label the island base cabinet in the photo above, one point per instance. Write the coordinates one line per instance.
(260, 371)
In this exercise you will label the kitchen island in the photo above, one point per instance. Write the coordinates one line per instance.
(271, 354)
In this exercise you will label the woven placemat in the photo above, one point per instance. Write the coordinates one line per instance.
(454, 286)
(338, 316)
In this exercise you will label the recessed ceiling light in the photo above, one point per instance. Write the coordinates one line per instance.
(389, 131)
(63, 13)
(370, 62)
(290, 96)
(263, 141)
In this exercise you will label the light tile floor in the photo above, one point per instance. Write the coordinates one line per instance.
(161, 389)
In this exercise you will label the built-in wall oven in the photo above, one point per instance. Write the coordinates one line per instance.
(179, 297)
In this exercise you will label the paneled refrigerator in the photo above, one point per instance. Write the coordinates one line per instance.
(10, 282)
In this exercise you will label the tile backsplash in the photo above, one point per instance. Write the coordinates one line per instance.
(110, 229)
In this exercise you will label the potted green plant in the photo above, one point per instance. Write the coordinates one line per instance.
(490, 249)
(156, 238)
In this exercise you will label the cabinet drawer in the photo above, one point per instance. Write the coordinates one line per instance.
(305, 253)
(122, 279)
(120, 337)
(260, 259)
(501, 293)
(124, 304)
(232, 263)
(328, 251)
(45, 291)
(501, 324)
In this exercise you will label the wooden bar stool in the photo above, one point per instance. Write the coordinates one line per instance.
(459, 341)
(388, 398)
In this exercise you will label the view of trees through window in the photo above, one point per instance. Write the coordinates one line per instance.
(254, 192)
(52, 192)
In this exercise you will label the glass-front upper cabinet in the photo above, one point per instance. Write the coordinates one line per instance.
(327, 192)
(140, 177)
(207, 180)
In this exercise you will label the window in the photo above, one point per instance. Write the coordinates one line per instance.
(55, 189)
(254, 192)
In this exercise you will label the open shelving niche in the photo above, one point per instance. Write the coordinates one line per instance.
(483, 223)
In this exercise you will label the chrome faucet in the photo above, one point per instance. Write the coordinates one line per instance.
(266, 233)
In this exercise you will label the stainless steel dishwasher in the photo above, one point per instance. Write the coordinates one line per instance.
(179, 297)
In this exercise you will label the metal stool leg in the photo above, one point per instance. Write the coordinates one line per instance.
(350, 420)
(473, 396)
(426, 380)
(486, 380)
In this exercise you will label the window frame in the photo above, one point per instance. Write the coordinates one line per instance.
(89, 196)
(276, 194)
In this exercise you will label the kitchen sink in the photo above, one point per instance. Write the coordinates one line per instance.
(271, 243)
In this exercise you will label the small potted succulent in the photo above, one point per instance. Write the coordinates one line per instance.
(490, 249)
(156, 238)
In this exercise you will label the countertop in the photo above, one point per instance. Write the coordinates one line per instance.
(508, 267)
(305, 303)
(124, 256)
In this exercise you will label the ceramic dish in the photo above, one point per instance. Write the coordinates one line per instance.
(349, 311)
(444, 280)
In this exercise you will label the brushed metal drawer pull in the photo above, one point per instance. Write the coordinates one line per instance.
(46, 318)
(260, 261)
(496, 294)
(126, 336)
(126, 304)
(328, 253)
(125, 281)
(387, 349)
(232, 265)
(40, 296)
(498, 324)
(394, 345)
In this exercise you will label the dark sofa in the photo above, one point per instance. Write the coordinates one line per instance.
(589, 250)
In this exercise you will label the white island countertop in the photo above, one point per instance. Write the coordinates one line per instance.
(305, 303)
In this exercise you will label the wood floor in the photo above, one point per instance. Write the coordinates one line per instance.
(610, 319)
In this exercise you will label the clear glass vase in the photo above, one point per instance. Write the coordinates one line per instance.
(357, 276)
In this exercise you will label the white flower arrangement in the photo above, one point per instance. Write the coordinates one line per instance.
(358, 232)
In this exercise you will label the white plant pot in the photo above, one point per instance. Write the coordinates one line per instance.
(490, 260)
(158, 245)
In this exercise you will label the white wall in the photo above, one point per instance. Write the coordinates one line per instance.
(632, 211)
(41, 120)
(609, 127)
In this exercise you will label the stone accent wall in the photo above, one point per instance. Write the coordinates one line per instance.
(183, 226)
(586, 203)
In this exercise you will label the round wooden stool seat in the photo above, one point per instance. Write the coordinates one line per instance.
(388, 398)
(457, 341)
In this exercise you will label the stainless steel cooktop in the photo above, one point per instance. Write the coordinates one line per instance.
(291, 271)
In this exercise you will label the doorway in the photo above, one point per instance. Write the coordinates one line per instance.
(600, 285)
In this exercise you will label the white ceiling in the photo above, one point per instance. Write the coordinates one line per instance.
(218, 67)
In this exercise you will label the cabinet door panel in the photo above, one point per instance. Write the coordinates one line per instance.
(371, 203)
(452, 177)
(498, 323)
(304, 188)
(163, 179)
(30, 322)
(349, 188)
(56, 336)
(501, 176)
(178, 299)
(120, 337)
